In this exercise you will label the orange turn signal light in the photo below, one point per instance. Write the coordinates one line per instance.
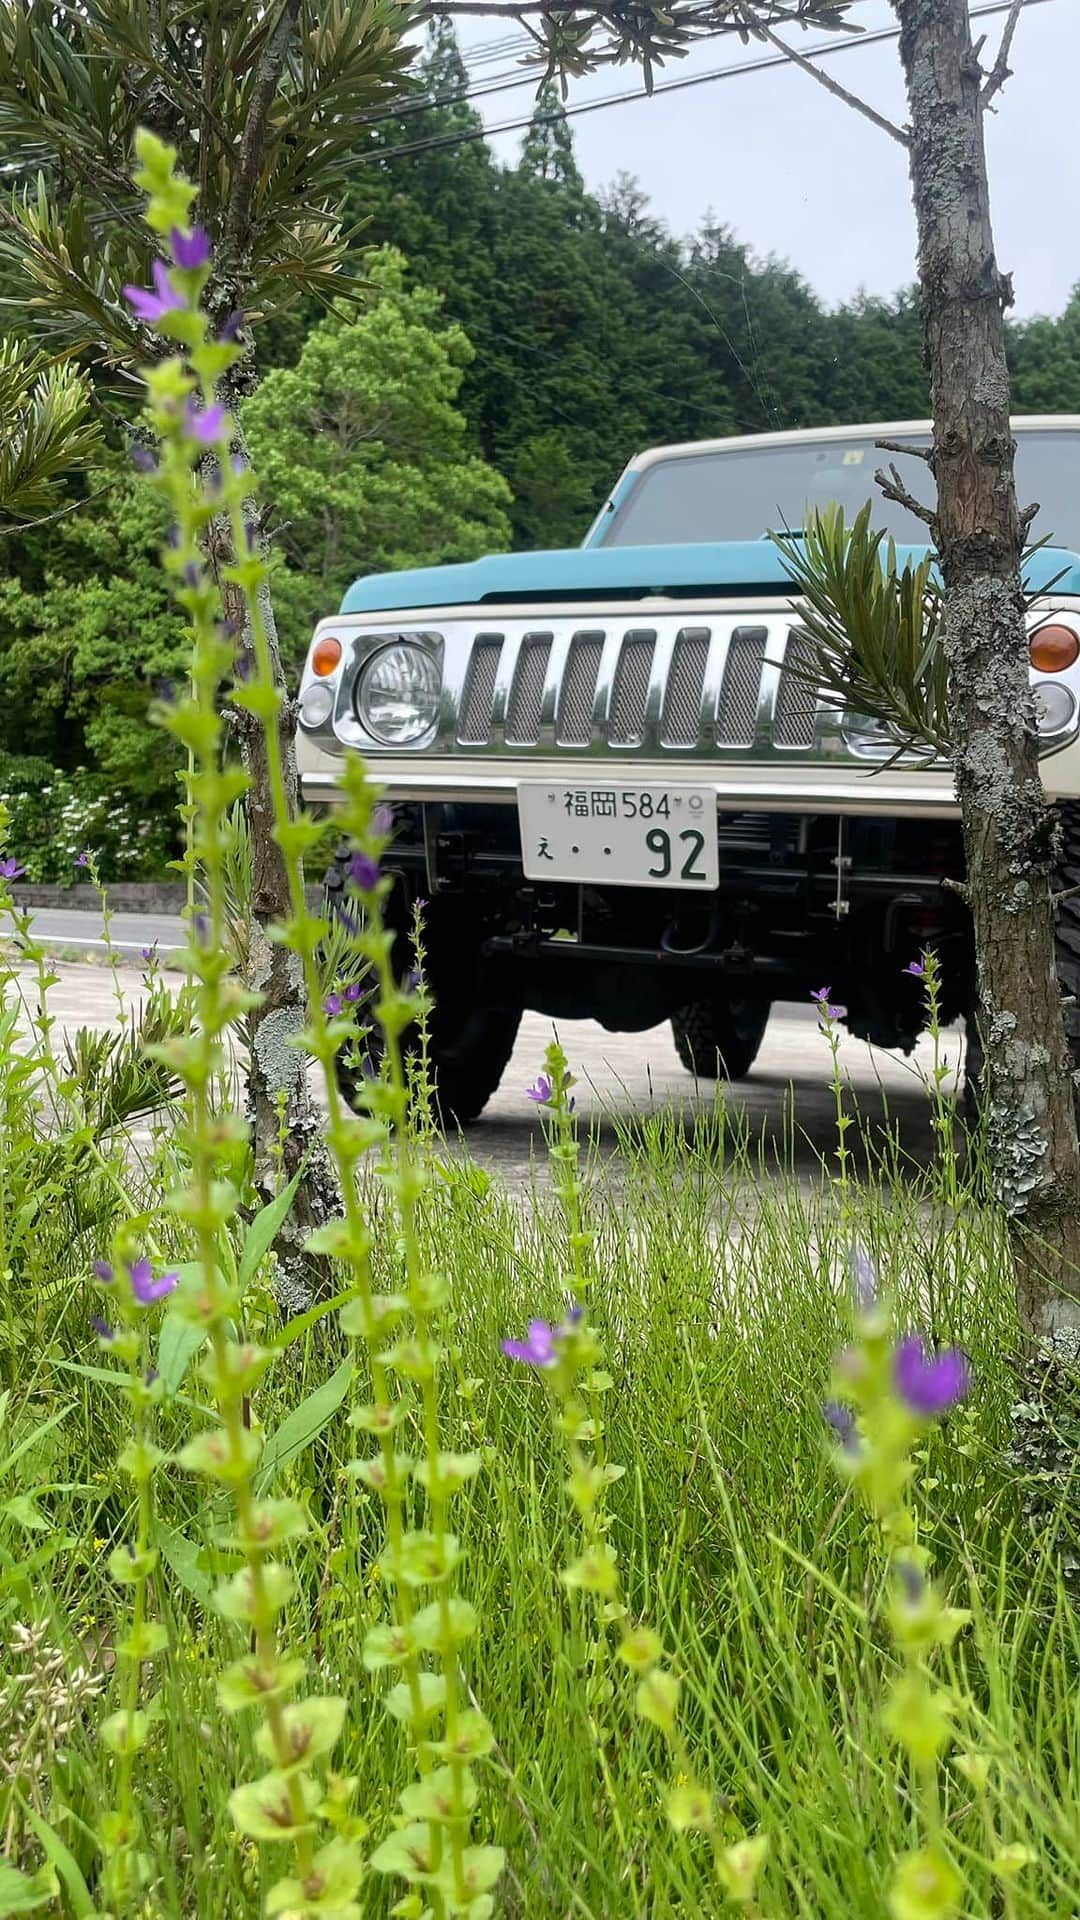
(326, 656)
(1053, 648)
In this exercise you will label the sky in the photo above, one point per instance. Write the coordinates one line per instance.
(797, 174)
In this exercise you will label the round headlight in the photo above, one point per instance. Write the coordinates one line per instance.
(316, 704)
(1055, 708)
(397, 698)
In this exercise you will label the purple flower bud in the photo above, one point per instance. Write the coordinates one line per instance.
(150, 1376)
(190, 250)
(204, 424)
(842, 1421)
(354, 992)
(83, 859)
(332, 1005)
(244, 667)
(101, 1327)
(537, 1349)
(929, 1383)
(912, 1581)
(148, 955)
(165, 692)
(142, 458)
(103, 1272)
(10, 869)
(146, 1289)
(541, 1091)
(232, 328)
(916, 969)
(152, 307)
(192, 574)
(864, 1280)
(364, 872)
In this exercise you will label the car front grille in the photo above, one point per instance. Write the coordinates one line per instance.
(668, 688)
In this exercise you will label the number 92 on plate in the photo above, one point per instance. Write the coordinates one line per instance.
(639, 836)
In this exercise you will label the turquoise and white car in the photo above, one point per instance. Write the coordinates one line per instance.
(617, 803)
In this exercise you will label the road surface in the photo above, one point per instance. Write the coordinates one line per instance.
(620, 1075)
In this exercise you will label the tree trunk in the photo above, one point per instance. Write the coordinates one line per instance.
(287, 1129)
(1009, 832)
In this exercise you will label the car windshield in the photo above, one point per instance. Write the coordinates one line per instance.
(751, 491)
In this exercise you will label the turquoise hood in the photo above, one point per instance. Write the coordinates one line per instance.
(629, 573)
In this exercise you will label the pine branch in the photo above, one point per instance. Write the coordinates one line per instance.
(1001, 70)
(253, 139)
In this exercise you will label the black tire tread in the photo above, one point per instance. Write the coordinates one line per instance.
(710, 1046)
(466, 1067)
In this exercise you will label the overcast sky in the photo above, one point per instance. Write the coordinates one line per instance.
(797, 174)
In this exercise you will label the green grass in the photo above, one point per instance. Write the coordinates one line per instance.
(719, 1302)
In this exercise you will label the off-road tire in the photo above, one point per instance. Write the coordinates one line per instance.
(720, 1039)
(469, 1044)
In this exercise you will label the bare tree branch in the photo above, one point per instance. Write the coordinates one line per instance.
(904, 447)
(1029, 515)
(894, 489)
(1001, 70)
(833, 86)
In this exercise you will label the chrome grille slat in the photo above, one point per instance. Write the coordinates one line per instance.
(474, 721)
(737, 713)
(525, 705)
(797, 700)
(626, 722)
(577, 691)
(680, 719)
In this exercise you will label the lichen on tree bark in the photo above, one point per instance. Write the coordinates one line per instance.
(1009, 831)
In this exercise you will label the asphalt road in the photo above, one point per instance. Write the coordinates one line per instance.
(786, 1102)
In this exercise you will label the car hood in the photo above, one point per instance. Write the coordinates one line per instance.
(751, 567)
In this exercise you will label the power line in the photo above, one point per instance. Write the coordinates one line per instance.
(761, 65)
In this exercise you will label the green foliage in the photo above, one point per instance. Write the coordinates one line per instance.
(875, 627)
(363, 450)
(45, 429)
(76, 82)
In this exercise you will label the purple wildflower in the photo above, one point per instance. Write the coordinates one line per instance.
(10, 869)
(332, 1005)
(864, 1280)
(354, 992)
(929, 1383)
(103, 1272)
(148, 955)
(204, 424)
(541, 1091)
(916, 969)
(101, 1327)
(190, 250)
(364, 872)
(912, 1581)
(244, 668)
(842, 1421)
(143, 459)
(153, 306)
(192, 574)
(537, 1349)
(146, 1289)
(231, 329)
(824, 1005)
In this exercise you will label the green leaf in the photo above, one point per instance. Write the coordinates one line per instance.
(263, 1231)
(303, 1425)
(24, 1892)
(64, 1861)
(181, 1556)
(179, 1343)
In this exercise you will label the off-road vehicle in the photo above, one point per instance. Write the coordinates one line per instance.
(619, 805)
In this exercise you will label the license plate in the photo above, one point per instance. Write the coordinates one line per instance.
(626, 836)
